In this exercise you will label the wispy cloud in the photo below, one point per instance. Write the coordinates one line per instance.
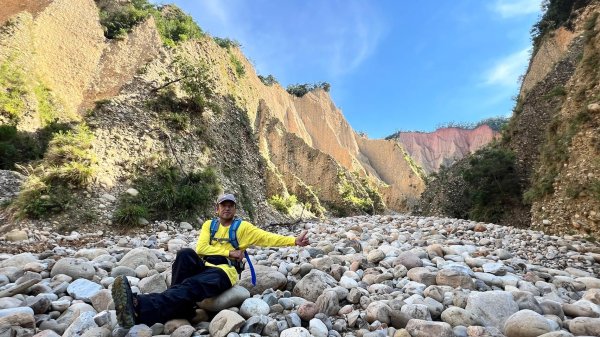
(354, 44)
(507, 70)
(334, 38)
(512, 8)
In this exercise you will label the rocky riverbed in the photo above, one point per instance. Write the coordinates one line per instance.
(376, 276)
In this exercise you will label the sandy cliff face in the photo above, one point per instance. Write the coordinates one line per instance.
(569, 153)
(315, 121)
(308, 147)
(61, 46)
(551, 51)
(404, 181)
(444, 146)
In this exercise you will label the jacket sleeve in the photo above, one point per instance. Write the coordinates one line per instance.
(203, 247)
(253, 235)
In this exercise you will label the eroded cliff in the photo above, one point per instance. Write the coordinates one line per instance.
(444, 146)
(261, 140)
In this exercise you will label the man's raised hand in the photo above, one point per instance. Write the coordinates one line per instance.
(302, 239)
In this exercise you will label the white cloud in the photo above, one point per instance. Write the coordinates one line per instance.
(512, 8)
(507, 70)
(354, 44)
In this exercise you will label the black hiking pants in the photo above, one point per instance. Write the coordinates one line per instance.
(191, 282)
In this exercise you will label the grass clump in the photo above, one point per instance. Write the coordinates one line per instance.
(129, 215)
(69, 164)
(169, 194)
(12, 92)
(557, 91)
(283, 204)
(595, 189)
(237, 65)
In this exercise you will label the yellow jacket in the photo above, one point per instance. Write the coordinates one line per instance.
(247, 235)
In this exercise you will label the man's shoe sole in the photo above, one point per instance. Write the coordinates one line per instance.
(123, 298)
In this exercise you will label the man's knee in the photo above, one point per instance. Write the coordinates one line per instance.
(185, 252)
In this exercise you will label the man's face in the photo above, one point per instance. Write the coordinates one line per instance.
(226, 210)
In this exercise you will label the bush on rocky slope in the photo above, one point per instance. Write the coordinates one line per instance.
(168, 193)
(492, 186)
(173, 24)
(69, 163)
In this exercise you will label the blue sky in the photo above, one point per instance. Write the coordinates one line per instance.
(392, 64)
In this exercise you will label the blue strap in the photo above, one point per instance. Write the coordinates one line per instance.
(252, 272)
(234, 242)
(214, 227)
(233, 233)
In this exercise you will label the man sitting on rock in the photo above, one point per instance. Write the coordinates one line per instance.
(200, 274)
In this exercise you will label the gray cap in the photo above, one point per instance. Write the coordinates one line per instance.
(225, 197)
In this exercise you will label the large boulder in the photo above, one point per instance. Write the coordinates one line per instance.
(82, 289)
(266, 278)
(528, 323)
(311, 286)
(18, 260)
(421, 328)
(139, 256)
(225, 322)
(76, 268)
(492, 307)
(153, 284)
(585, 326)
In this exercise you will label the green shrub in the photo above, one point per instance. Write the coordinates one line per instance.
(300, 90)
(47, 107)
(238, 66)
(558, 90)
(573, 191)
(590, 28)
(178, 121)
(197, 86)
(595, 189)
(226, 43)
(128, 215)
(283, 204)
(12, 92)
(120, 20)
(169, 194)
(68, 164)
(492, 185)
(557, 13)
(175, 26)
(358, 195)
(268, 81)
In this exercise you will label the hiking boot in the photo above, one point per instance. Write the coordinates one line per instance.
(123, 298)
